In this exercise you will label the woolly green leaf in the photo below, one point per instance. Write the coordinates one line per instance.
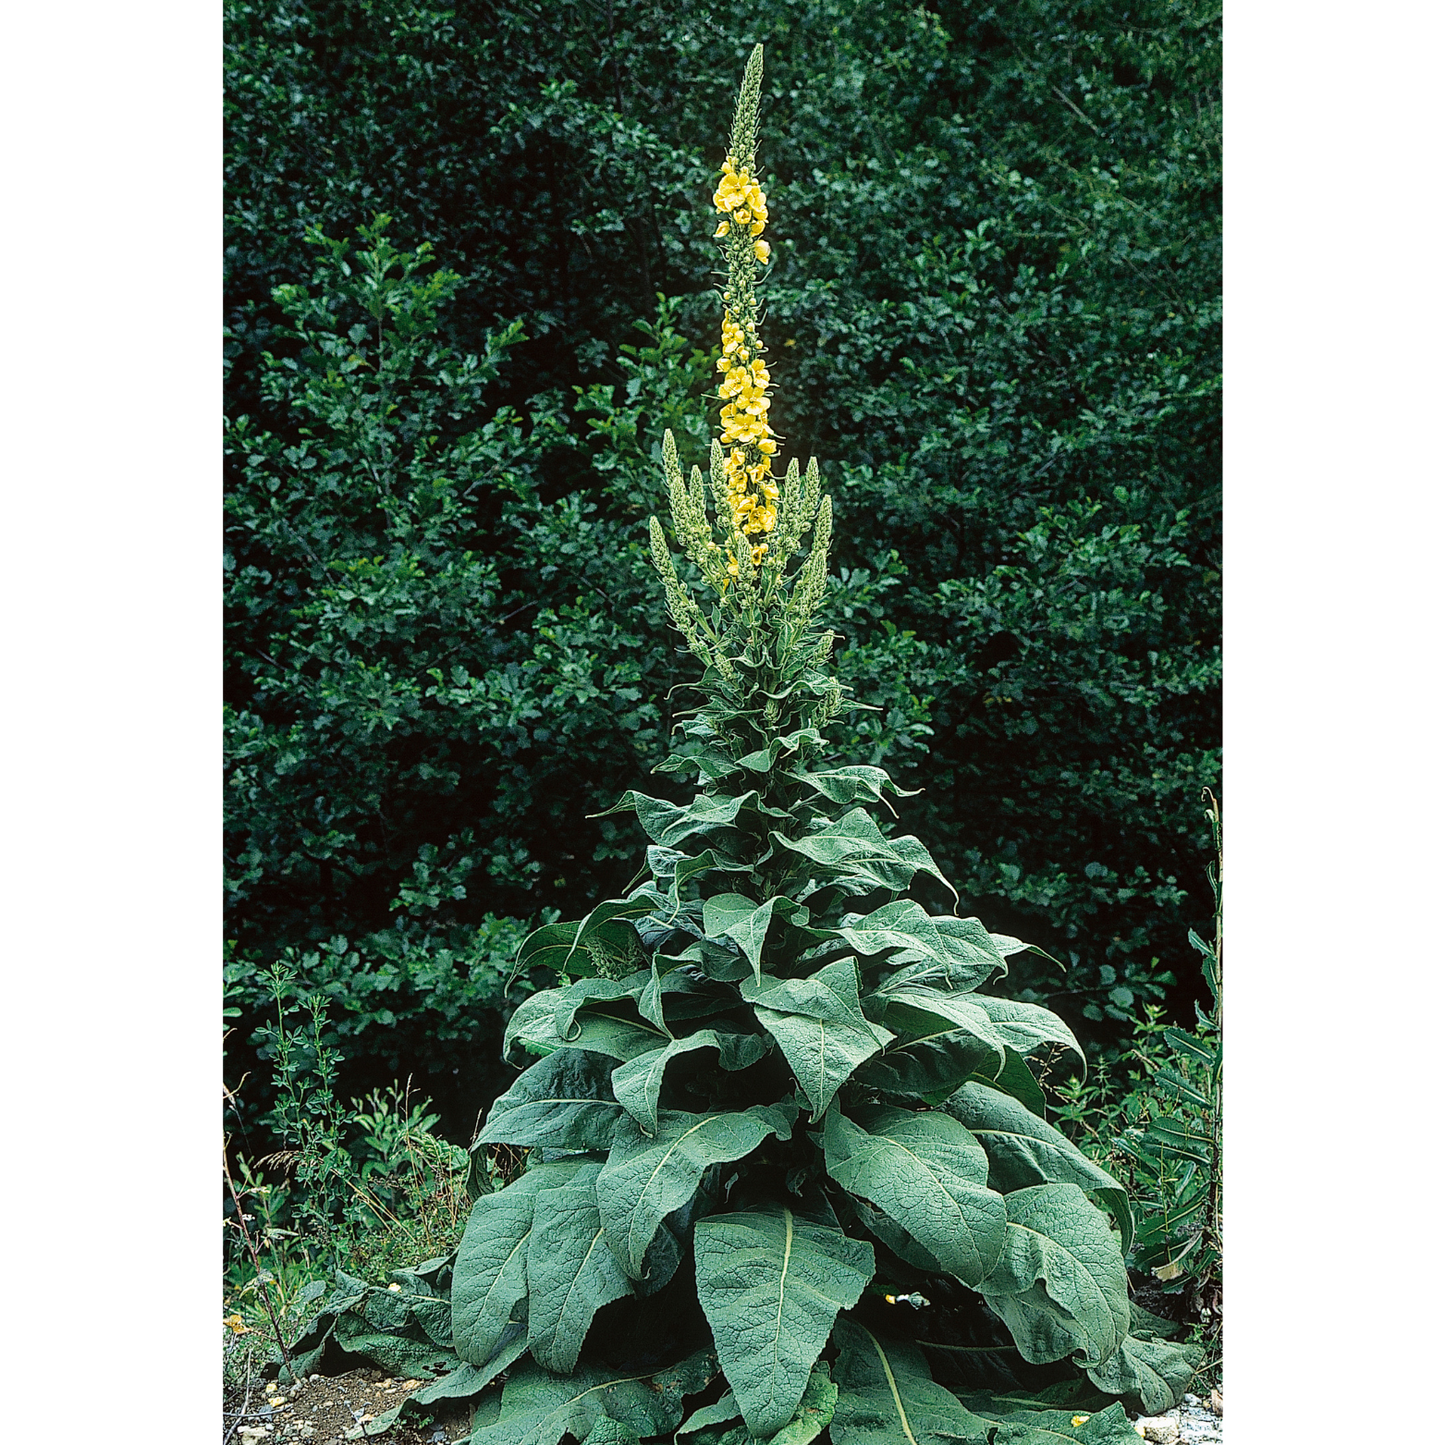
(671, 826)
(539, 1408)
(551, 1020)
(819, 1026)
(1026, 1026)
(608, 1431)
(646, 1177)
(958, 952)
(1152, 1374)
(459, 1384)
(730, 915)
(894, 1236)
(490, 1274)
(1023, 1151)
(1015, 1079)
(708, 861)
(550, 947)
(1020, 1423)
(571, 1272)
(927, 1069)
(926, 1172)
(563, 1102)
(854, 784)
(855, 852)
(1059, 1284)
(638, 1083)
(771, 1282)
(917, 1011)
(886, 1396)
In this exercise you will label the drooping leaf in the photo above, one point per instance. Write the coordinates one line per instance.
(1026, 1026)
(563, 1102)
(771, 1282)
(858, 858)
(927, 1172)
(1023, 1151)
(571, 1273)
(550, 947)
(886, 1396)
(958, 952)
(1019, 1422)
(1059, 1284)
(490, 1274)
(1016, 1080)
(819, 1026)
(646, 1176)
(638, 1083)
(461, 1383)
(671, 826)
(539, 1408)
(893, 1234)
(857, 784)
(730, 915)
(920, 1011)
(926, 1069)
(534, 1029)
(1151, 1374)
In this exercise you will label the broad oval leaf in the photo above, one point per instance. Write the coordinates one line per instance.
(1059, 1284)
(1024, 1151)
(534, 1031)
(959, 952)
(731, 915)
(571, 1273)
(820, 1028)
(886, 1396)
(1026, 1026)
(929, 1069)
(638, 1083)
(927, 1172)
(646, 1177)
(919, 1011)
(1152, 1374)
(771, 1282)
(856, 784)
(563, 1102)
(858, 858)
(539, 1407)
(490, 1274)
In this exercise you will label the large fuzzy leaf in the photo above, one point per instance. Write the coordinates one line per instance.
(571, 1273)
(537, 1027)
(638, 1083)
(856, 784)
(926, 1172)
(819, 1027)
(1026, 1026)
(1059, 1284)
(714, 1424)
(671, 826)
(887, 1397)
(858, 858)
(920, 1011)
(490, 1274)
(1152, 1374)
(731, 915)
(563, 1102)
(459, 1384)
(1019, 1423)
(771, 1282)
(957, 951)
(1016, 1080)
(646, 1176)
(927, 1069)
(1023, 1151)
(539, 1408)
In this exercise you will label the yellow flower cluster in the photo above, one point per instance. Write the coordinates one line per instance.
(744, 206)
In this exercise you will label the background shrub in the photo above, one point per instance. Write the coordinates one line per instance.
(995, 304)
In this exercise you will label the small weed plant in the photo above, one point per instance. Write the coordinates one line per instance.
(787, 1172)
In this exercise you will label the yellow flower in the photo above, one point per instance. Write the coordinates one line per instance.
(762, 251)
(235, 1324)
(1078, 1420)
(723, 228)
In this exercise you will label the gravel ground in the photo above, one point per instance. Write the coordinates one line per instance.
(1193, 1423)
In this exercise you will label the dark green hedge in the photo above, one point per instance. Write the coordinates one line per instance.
(994, 315)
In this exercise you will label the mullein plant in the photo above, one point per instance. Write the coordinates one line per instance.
(788, 1173)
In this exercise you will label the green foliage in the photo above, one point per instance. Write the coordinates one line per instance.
(996, 309)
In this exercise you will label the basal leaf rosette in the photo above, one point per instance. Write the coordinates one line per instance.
(783, 1146)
